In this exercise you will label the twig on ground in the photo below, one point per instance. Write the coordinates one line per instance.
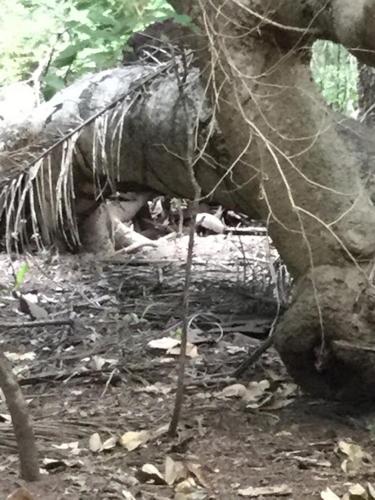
(267, 343)
(65, 376)
(211, 381)
(108, 383)
(31, 324)
(254, 356)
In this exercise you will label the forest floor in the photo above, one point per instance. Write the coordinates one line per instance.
(101, 389)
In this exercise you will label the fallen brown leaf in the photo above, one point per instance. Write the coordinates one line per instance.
(95, 443)
(356, 492)
(356, 459)
(264, 491)
(132, 440)
(150, 474)
(174, 471)
(328, 494)
(20, 494)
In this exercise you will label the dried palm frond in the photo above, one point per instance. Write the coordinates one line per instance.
(38, 188)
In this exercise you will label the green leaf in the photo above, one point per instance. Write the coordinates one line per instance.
(84, 4)
(99, 58)
(68, 28)
(52, 84)
(67, 56)
(177, 334)
(183, 19)
(98, 18)
(21, 274)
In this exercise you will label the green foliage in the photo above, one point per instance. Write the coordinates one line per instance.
(24, 32)
(177, 334)
(335, 71)
(20, 275)
(79, 36)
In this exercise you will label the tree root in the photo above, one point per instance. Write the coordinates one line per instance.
(331, 354)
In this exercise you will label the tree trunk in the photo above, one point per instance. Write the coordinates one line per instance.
(366, 94)
(262, 140)
(141, 144)
(306, 170)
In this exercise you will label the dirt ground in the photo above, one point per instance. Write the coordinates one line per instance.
(95, 378)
